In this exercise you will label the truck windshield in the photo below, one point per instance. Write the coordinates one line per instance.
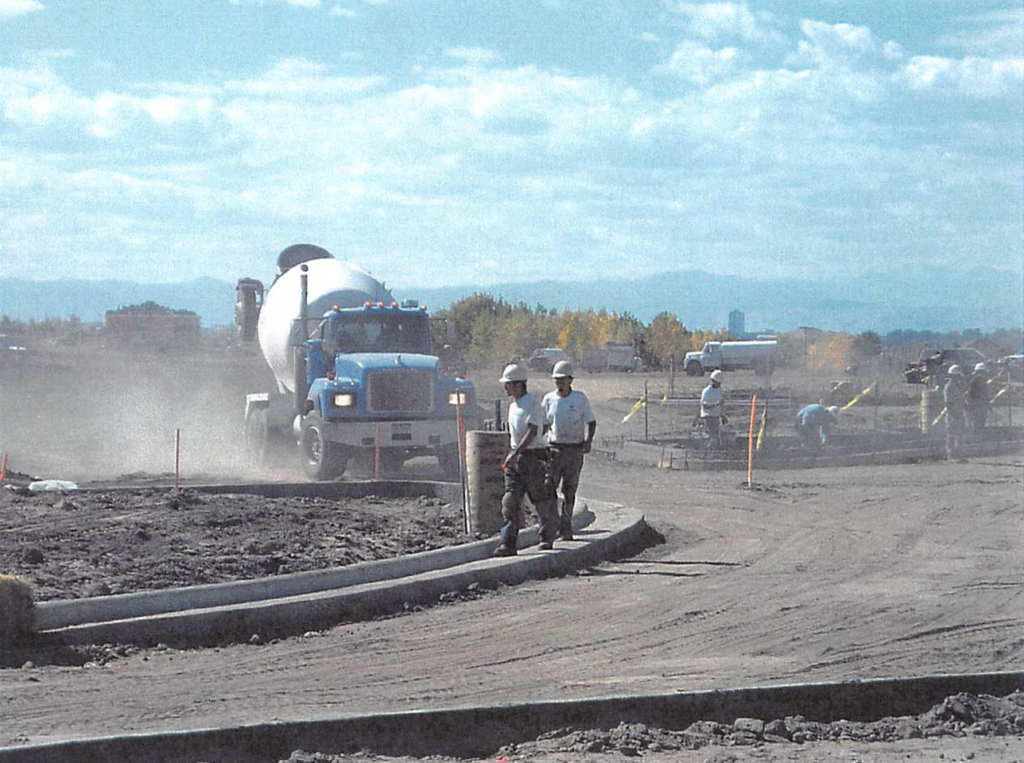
(379, 332)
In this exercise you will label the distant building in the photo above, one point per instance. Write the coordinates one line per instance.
(153, 326)
(737, 324)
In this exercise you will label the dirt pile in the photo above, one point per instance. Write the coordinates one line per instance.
(960, 715)
(82, 543)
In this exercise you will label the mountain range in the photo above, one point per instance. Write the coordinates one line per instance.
(978, 297)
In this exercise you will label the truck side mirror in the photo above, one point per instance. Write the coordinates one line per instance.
(248, 301)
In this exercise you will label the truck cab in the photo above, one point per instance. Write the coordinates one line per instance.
(708, 359)
(373, 382)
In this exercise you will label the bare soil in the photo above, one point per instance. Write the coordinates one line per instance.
(813, 575)
(84, 543)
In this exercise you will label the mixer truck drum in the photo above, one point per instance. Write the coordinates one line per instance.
(299, 253)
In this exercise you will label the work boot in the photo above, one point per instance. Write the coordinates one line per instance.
(546, 545)
(565, 535)
(505, 551)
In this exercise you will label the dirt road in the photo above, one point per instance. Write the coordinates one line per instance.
(813, 575)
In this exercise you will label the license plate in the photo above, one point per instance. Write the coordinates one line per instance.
(401, 427)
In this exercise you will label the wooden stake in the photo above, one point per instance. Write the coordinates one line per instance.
(750, 441)
(463, 469)
(376, 455)
(177, 461)
(3, 469)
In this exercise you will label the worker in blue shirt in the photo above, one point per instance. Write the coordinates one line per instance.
(814, 423)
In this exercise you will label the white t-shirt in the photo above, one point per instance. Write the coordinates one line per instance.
(711, 401)
(521, 413)
(568, 416)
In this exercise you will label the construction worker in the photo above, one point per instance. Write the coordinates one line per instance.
(567, 413)
(814, 423)
(712, 409)
(954, 394)
(978, 404)
(526, 465)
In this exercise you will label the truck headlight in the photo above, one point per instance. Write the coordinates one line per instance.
(344, 400)
(457, 398)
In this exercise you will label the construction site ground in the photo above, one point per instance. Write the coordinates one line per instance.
(810, 575)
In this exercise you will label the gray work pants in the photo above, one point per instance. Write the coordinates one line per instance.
(566, 465)
(528, 475)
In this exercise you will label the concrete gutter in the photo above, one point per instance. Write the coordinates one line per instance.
(308, 601)
(480, 731)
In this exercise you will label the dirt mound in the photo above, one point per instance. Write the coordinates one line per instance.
(82, 543)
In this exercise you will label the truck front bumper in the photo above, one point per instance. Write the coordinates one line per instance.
(421, 434)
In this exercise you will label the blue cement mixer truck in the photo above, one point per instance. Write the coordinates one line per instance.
(355, 372)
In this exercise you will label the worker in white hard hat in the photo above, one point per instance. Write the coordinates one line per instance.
(712, 409)
(570, 424)
(954, 394)
(526, 465)
(978, 403)
(814, 423)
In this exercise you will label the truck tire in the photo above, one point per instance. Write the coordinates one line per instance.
(257, 438)
(695, 369)
(321, 458)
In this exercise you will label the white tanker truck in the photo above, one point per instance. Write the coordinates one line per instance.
(355, 371)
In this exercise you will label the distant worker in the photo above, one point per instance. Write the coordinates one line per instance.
(814, 423)
(954, 394)
(978, 404)
(570, 423)
(526, 465)
(712, 409)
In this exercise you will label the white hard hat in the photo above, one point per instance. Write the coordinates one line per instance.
(562, 370)
(513, 372)
(833, 409)
(954, 370)
(717, 375)
(980, 367)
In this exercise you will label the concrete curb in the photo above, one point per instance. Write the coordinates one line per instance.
(479, 731)
(610, 527)
(53, 615)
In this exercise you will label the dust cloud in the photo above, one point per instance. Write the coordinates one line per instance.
(102, 414)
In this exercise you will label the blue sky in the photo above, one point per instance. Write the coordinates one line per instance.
(456, 142)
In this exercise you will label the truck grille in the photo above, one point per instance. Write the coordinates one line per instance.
(400, 390)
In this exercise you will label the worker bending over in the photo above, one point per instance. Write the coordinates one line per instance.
(814, 423)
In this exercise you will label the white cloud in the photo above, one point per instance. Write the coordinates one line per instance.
(701, 65)
(996, 34)
(10, 8)
(299, 77)
(976, 77)
(713, 21)
(339, 11)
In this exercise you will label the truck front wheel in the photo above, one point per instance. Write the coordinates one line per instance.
(321, 458)
(695, 369)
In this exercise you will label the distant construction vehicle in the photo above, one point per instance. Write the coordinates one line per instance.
(757, 355)
(931, 368)
(355, 371)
